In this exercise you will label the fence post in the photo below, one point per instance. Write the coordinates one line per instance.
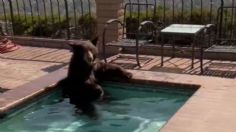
(12, 16)
(221, 18)
(108, 9)
(67, 19)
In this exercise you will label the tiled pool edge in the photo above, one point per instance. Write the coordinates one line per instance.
(27, 92)
(178, 123)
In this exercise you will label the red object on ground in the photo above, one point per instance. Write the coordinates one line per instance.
(7, 45)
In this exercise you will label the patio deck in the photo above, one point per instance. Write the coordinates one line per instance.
(211, 108)
(225, 69)
(29, 63)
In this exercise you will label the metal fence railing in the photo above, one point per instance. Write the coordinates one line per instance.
(48, 18)
(226, 25)
(76, 18)
(186, 12)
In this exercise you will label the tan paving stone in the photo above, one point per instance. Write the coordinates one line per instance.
(225, 69)
(29, 63)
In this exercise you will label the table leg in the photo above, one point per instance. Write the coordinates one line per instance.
(137, 52)
(201, 60)
(201, 54)
(193, 51)
(173, 46)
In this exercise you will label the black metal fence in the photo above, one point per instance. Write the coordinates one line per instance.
(76, 18)
(186, 11)
(48, 18)
(189, 12)
(226, 25)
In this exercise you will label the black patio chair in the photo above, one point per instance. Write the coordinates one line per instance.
(134, 14)
(222, 35)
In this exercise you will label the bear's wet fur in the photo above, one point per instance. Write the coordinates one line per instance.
(80, 85)
(81, 63)
(85, 74)
(110, 72)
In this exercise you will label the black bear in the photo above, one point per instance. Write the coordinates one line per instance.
(84, 75)
(80, 84)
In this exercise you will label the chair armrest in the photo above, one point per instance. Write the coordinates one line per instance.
(209, 28)
(210, 25)
(155, 25)
(114, 21)
(154, 28)
(210, 34)
(142, 24)
(107, 24)
(147, 22)
(105, 29)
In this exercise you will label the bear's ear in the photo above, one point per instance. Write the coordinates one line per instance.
(95, 40)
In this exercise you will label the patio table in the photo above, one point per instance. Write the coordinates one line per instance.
(177, 30)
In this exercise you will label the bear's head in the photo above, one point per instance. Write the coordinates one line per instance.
(85, 51)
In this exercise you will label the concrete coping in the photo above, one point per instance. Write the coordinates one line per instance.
(25, 93)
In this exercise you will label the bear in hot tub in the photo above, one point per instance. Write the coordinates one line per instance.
(85, 74)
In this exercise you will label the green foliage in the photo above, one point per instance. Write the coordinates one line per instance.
(199, 17)
(88, 26)
(20, 26)
(196, 17)
(132, 21)
(21, 23)
(132, 25)
(166, 16)
(46, 27)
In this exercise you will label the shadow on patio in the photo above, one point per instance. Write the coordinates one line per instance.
(29, 63)
(226, 69)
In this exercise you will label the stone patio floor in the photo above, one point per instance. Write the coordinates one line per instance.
(28, 63)
(211, 108)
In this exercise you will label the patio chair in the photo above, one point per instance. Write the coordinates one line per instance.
(134, 13)
(222, 35)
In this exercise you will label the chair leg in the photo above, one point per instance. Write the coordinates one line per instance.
(162, 52)
(104, 56)
(104, 52)
(137, 59)
(137, 49)
(193, 55)
(202, 52)
(173, 46)
(137, 56)
(201, 59)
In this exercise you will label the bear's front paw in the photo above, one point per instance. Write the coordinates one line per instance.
(129, 75)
